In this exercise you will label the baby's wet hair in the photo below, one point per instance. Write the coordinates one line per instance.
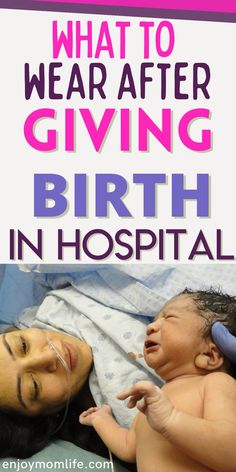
(214, 305)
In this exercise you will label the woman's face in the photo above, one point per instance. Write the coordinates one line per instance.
(32, 378)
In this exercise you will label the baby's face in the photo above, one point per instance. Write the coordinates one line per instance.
(174, 338)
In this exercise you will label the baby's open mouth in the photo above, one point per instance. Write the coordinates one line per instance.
(151, 345)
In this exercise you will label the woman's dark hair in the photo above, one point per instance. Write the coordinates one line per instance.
(22, 436)
(214, 305)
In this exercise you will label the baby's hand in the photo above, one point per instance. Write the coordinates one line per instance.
(89, 416)
(155, 405)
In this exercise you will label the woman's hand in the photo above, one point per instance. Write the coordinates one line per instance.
(89, 416)
(155, 405)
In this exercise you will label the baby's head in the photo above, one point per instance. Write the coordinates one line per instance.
(214, 305)
(179, 340)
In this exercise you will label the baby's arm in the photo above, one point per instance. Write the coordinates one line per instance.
(119, 440)
(209, 440)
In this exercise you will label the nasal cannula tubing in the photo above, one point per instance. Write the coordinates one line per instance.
(64, 363)
(68, 374)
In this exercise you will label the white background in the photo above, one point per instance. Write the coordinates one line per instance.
(26, 37)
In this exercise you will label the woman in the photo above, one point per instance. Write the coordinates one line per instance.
(35, 380)
(34, 390)
(34, 387)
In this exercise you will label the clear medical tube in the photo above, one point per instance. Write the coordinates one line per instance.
(68, 374)
(64, 363)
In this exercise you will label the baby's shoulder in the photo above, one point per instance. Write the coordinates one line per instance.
(219, 377)
(219, 398)
(219, 381)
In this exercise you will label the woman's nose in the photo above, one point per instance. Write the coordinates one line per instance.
(45, 360)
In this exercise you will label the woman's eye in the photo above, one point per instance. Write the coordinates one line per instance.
(35, 389)
(24, 346)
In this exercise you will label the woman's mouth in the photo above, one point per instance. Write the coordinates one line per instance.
(72, 356)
